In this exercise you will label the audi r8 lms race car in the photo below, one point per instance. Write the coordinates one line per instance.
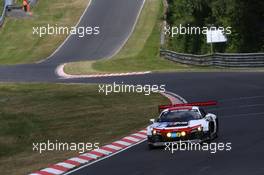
(182, 122)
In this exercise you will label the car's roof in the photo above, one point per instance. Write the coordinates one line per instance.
(181, 108)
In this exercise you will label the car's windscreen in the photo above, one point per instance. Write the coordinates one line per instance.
(179, 116)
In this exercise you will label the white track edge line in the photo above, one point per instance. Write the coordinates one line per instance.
(115, 52)
(67, 38)
(105, 157)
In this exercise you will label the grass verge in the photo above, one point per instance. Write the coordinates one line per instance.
(19, 45)
(140, 53)
(67, 113)
(1, 7)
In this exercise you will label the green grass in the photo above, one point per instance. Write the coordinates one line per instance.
(140, 53)
(19, 45)
(68, 113)
(1, 6)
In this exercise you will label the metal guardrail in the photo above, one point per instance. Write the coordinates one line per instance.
(239, 60)
(2, 17)
(9, 5)
(33, 2)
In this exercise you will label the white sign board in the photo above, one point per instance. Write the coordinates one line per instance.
(215, 36)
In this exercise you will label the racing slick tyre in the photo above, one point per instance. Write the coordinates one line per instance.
(217, 128)
(210, 135)
(150, 146)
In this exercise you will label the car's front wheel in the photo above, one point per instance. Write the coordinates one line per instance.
(150, 146)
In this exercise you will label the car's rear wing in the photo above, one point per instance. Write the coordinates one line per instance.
(207, 103)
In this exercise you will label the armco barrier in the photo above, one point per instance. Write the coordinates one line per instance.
(9, 5)
(2, 17)
(239, 60)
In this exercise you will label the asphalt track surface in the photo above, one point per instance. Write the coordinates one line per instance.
(115, 18)
(241, 117)
(240, 96)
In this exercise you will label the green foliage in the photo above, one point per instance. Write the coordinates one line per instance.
(243, 16)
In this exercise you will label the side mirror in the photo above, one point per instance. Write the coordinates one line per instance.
(207, 117)
(152, 120)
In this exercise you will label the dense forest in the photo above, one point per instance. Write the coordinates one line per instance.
(245, 17)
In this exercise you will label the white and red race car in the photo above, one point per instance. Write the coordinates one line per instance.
(182, 122)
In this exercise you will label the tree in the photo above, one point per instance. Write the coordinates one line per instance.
(245, 17)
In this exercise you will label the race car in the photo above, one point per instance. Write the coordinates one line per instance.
(183, 122)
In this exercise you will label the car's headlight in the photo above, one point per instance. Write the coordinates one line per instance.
(199, 128)
(168, 134)
(183, 133)
(154, 132)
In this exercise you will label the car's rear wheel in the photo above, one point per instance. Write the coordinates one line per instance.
(217, 128)
(213, 130)
(209, 135)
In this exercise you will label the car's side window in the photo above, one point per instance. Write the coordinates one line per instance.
(202, 112)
